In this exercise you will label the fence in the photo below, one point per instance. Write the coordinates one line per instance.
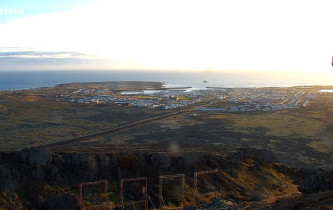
(210, 185)
(169, 185)
(134, 202)
(180, 177)
(94, 198)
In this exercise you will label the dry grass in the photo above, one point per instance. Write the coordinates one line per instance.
(175, 123)
(217, 116)
(322, 145)
(187, 122)
(119, 139)
(31, 98)
(288, 187)
(258, 182)
(3, 108)
(280, 124)
(284, 125)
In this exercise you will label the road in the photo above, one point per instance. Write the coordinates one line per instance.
(121, 128)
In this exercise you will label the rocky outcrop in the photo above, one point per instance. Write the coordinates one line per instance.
(160, 160)
(260, 155)
(71, 168)
(37, 157)
(316, 181)
(30, 166)
(8, 177)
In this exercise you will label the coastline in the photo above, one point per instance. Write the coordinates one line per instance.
(42, 79)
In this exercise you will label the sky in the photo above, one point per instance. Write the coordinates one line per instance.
(210, 35)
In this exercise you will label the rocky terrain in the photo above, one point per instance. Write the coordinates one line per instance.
(247, 179)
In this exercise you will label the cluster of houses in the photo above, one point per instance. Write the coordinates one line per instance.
(85, 91)
(239, 99)
(169, 99)
(252, 99)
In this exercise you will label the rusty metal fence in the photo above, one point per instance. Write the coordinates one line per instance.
(143, 201)
(166, 182)
(171, 177)
(101, 204)
(212, 186)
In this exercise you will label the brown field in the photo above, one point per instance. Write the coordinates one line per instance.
(31, 98)
(3, 108)
(218, 116)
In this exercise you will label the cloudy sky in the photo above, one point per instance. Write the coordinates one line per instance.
(237, 35)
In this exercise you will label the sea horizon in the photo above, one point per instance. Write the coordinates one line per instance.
(16, 80)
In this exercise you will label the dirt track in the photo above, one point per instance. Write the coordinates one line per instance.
(120, 128)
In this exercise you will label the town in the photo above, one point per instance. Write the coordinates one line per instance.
(232, 99)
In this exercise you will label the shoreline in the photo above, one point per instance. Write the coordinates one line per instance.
(325, 88)
(32, 80)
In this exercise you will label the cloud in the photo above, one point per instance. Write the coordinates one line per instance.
(41, 55)
(30, 60)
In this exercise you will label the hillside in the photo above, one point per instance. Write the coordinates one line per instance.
(247, 178)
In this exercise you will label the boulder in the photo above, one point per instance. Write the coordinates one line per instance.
(38, 157)
(22, 154)
(266, 156)
(315, 182)
(160, 160)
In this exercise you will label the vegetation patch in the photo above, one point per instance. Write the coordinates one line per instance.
(3, 108)
(280, 124)
(218, 116)
(325, 146)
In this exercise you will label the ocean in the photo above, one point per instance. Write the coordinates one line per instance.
(34, 79)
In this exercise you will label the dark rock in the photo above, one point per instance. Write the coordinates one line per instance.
(83, 166)
(64, 202)
(120, 173)
(266, 156)
(39, 157)
(180, 164)
(22, 154)
(232, 160)
(8, 177)
(38, 173)
(213, 161)
(140, 159)
(160, 160)
(57, 177)
(315, 182)
(104, 165)
(91, 168)
(58, 159)
(263, 156)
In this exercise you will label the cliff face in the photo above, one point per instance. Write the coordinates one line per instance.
(33, 178)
